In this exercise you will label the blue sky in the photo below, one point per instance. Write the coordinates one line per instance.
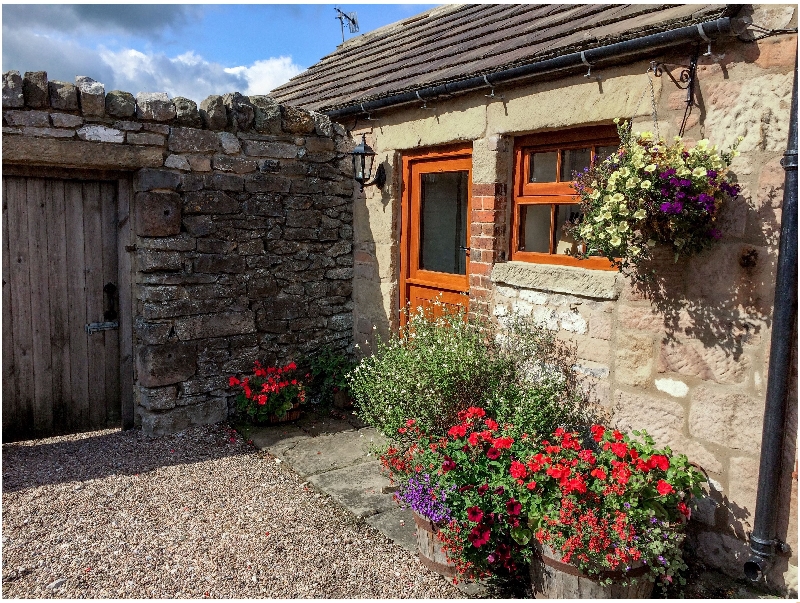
(190, 50)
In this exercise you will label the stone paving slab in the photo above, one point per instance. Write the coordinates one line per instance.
(357, 488)
(276, 439)
(398, 526)
(310, 456)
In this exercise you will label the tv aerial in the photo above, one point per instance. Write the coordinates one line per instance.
(351, 18)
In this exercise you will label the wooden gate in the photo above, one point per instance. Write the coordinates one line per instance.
(61, 284)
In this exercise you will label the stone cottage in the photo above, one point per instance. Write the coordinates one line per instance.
(457, 100)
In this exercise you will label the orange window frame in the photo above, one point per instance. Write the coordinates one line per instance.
(552, 193)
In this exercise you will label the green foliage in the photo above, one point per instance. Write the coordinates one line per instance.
(328, 369)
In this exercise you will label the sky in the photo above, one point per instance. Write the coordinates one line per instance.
(189, 50)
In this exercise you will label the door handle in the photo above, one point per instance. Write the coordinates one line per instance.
(110, 290)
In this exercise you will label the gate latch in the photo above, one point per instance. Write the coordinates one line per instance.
(94, 327)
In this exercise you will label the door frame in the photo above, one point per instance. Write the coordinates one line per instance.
(125, 267)
(458, 151)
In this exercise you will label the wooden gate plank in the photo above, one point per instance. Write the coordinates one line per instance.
(76, 292)
(108, 201)
(124, 196)
(21, 302)
(59, 304)
(93, 261)
(9, 374)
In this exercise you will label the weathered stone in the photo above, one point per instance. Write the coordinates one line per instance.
(215, 264)
(209, 202)
(128, 126)
(91, 96)
(36, 119)
(48, 132)
(65, 120)
(708, 363)
(275, 150)
(267, 115)
(186, 113)
(190, 140)
(322, 124)
(597, 284)
(13, 95)
(181, 242)
(145, 138)
(149, 179)
(673, 387)
(154, 106)
(223, 324)
(154, 261)
(162, 398)
(296, 121)
(191, 182)
(634, 358)
(203, 413)
(237, 165)
(79, 153)
(97, 133)
(230, 144)
(162, 129)
(729, 419)
(165, 364)
(663, 418)
(158, 214)
(63, 96)
(267, 183)
(120, 104)
(152, 332)
(722, 551)
(199, 163)
(251, 247)
(35, 89)
(224, 182)
(178, 162)
(241, 112)
(214, 113)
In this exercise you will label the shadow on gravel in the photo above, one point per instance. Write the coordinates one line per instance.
(95, 455)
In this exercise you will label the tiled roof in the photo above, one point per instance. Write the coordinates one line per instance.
(454, 42)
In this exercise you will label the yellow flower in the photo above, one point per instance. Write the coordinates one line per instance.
(632, 183)
(599, 218)
(634, 250)
(616, 120)
(646, 184)
(623, 209)
(702, 144)
(625, 172)
(684, 171)
(699, 172)
(615, 241)
(617, 197)
(640, 214)
(623, 227)
(595, 195)
(611, 229)
(650, 168)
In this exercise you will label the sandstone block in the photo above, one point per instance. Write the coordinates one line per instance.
(35, 89)
(158, 214)
(79, 153)
(673, 387)
(743, 486)
(267, 115)
(48, 132)
(152, 332)
(214, 113)
(728, 419)
(237, 165)
(634, 358)
(97, 133)
(296, 121)
(91, 96)
(597, 350)
(663, 418)
(722, 551)
(572, 321)
(63, 96)
(156, 261)
(710, 364)
(177, 162)
(600, 324)
(222, 324)
(776, 52)
(191, 140)
(154, 106)
(35, 119)
(65, 120)
(595, 284)
(224, 182)
(275, 150)
(149, 179)
(319, 145)
(165, 364)
(241, 112)
(13, 95)
(203, 413)
(186, 113)
(147, 138)
(120, 104)
(161, 398)
(199, 163)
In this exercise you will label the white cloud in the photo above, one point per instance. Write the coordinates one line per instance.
(263, 76)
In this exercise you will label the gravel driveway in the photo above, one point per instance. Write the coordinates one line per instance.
(199, 514)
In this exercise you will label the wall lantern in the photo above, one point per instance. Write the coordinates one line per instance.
(363, 157)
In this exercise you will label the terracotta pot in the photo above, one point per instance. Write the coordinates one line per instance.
(430, 550)
(553, 579)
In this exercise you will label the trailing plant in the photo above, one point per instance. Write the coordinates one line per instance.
(651, 192)
(269, 392)
(328, 369)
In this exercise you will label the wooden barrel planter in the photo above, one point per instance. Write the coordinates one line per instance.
(291, 415)
(430, 550)
(551, 578)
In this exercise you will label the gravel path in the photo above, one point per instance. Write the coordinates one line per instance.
(199, 514)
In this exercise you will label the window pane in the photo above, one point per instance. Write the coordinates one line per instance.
(603, 152)
(543, 167)
(534, 228)
(574, 160)
(443, 222)
(564, 242)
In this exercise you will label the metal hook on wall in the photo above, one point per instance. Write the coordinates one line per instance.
(424, 103)
(369, 115)
(492, 94)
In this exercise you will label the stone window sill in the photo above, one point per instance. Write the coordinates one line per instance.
(595, 284)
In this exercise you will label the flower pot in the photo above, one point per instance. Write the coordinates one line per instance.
(551, 578)
(430, 550)
(291, 415)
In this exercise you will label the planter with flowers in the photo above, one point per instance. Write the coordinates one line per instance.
(651, 193)
(271, 395)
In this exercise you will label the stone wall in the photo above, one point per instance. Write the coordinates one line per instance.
(242, 236)
(689, 362)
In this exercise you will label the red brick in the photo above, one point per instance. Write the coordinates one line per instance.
(480, 282)
(480, 268)
(480, 294)
(484, 216)
(482, 242)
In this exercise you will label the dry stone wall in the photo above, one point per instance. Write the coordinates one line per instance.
(242, 236)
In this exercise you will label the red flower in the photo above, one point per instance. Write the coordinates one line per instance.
(491, 424)
(233, 381)
(530, 485)
(598, 473)
(597, 432)
(658, 461)
(410, 422)
(503, 443)
(448, 464)
(401, 430)
(618, 435)
(513, 507)
(493, 453)
(620, 449)
(664, 488)
(518, 470)
(558, 471)
(587, 456)
(684, 510)
(473, 438)
(262, 399)
(474, 514)
(621, 472)
(291, 366)
(479, 536)
(457, 431)
(482, 489)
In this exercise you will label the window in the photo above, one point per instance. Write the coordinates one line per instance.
(543, 197)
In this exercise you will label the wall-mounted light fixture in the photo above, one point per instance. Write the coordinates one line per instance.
(363, 158)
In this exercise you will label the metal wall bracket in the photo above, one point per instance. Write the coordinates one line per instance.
(95, 327)
(686, 81)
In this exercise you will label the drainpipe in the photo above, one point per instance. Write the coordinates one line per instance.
(764, 540)
(697, 34)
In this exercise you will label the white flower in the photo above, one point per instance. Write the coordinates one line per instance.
(615, 241)
(623, 227)
(625, 172)
(634, 250)
(595, 195)
(617, 197)
(640, 214)
(650, 168)
(699, 172)
(632, 183)
(645, 185)
(623, 209)
(684, 171)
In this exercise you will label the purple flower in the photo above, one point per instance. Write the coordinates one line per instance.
(661, 560)
(653, 520)
(686, 183)
(674, 181)
(627, 505)
(711, 174)
(715, 234)
(423, 497)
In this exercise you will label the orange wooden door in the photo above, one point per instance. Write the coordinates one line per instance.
(435, 231)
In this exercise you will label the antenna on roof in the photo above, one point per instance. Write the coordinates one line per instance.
(351, 18)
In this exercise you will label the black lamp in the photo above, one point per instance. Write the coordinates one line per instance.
(363, 157)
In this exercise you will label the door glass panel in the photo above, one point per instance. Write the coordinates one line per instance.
(543, 167)
(574, 160)
(443, 222)
(534, 228)
(564, 242)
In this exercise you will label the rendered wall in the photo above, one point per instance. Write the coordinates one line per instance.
(690, 366)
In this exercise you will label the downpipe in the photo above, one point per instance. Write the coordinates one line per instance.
(763, 539)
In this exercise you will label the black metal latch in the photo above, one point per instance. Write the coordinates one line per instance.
(95, 327)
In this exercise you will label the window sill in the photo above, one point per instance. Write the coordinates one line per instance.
(552, 278)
